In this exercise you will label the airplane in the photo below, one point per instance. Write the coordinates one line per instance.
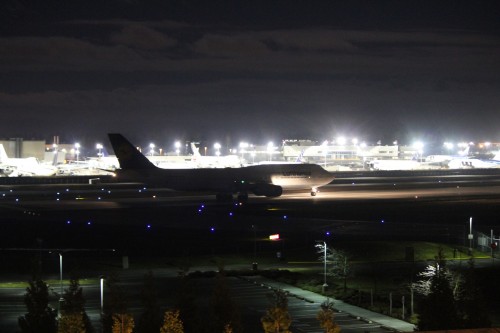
(261, 180)
(474, 163)
(391, 165)
(29, 166)
(227, 161)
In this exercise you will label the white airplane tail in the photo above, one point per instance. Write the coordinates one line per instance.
(196, 150)
(300, 158)
(3, 154)
(496, 157)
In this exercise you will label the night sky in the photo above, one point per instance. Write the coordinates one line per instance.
(250, 70)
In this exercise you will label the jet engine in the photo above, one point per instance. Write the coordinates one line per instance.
(268, 190)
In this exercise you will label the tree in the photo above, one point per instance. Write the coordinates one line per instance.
(71, 323)
(437, 307)
(277, 319)
(150, 320)
(172, 323)
(471, 304)
(326, 317)
(74, 303)
(41, 318)
(123, 323)
(116, 302)
(187, 307)
(224, 309)
(339, 265)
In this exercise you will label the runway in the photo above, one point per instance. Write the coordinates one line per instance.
(116, 196)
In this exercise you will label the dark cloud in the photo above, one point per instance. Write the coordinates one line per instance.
(372, 72)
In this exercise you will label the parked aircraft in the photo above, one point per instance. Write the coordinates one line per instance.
(474, 163)
(391, 165)
(201, 161)
(261, 180)
(29, 166)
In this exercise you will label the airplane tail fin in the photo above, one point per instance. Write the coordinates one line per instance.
(3, 154)
(196, 150)
(128, 155)
(300, 158)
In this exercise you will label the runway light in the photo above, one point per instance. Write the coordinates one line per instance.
(148, 226)
(327, 233)
(230, 213)
(212, 229)
(89, 223)
(68, 222)
(382, 221)
(285, 217)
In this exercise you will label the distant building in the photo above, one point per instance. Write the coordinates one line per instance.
(19, 148)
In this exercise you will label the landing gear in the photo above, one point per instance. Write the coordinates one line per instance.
(314, 191)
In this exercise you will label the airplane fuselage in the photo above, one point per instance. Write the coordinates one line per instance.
(287, 176)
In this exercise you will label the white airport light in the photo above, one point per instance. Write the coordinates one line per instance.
(354, 141)
(449, 145)
(99, 149)
(419, 145)
(270, 149)
(151, 149)
(243, 148)
(177, 145)
(341, 140)
(77, 150)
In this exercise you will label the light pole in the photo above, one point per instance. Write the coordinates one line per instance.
(99, 149)
(254, 264)
(270, 148)
(61, 299)
(471, 236)
(101, 278)
(325, 147)
(177, 146)
(325, 285)
(77, 150)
